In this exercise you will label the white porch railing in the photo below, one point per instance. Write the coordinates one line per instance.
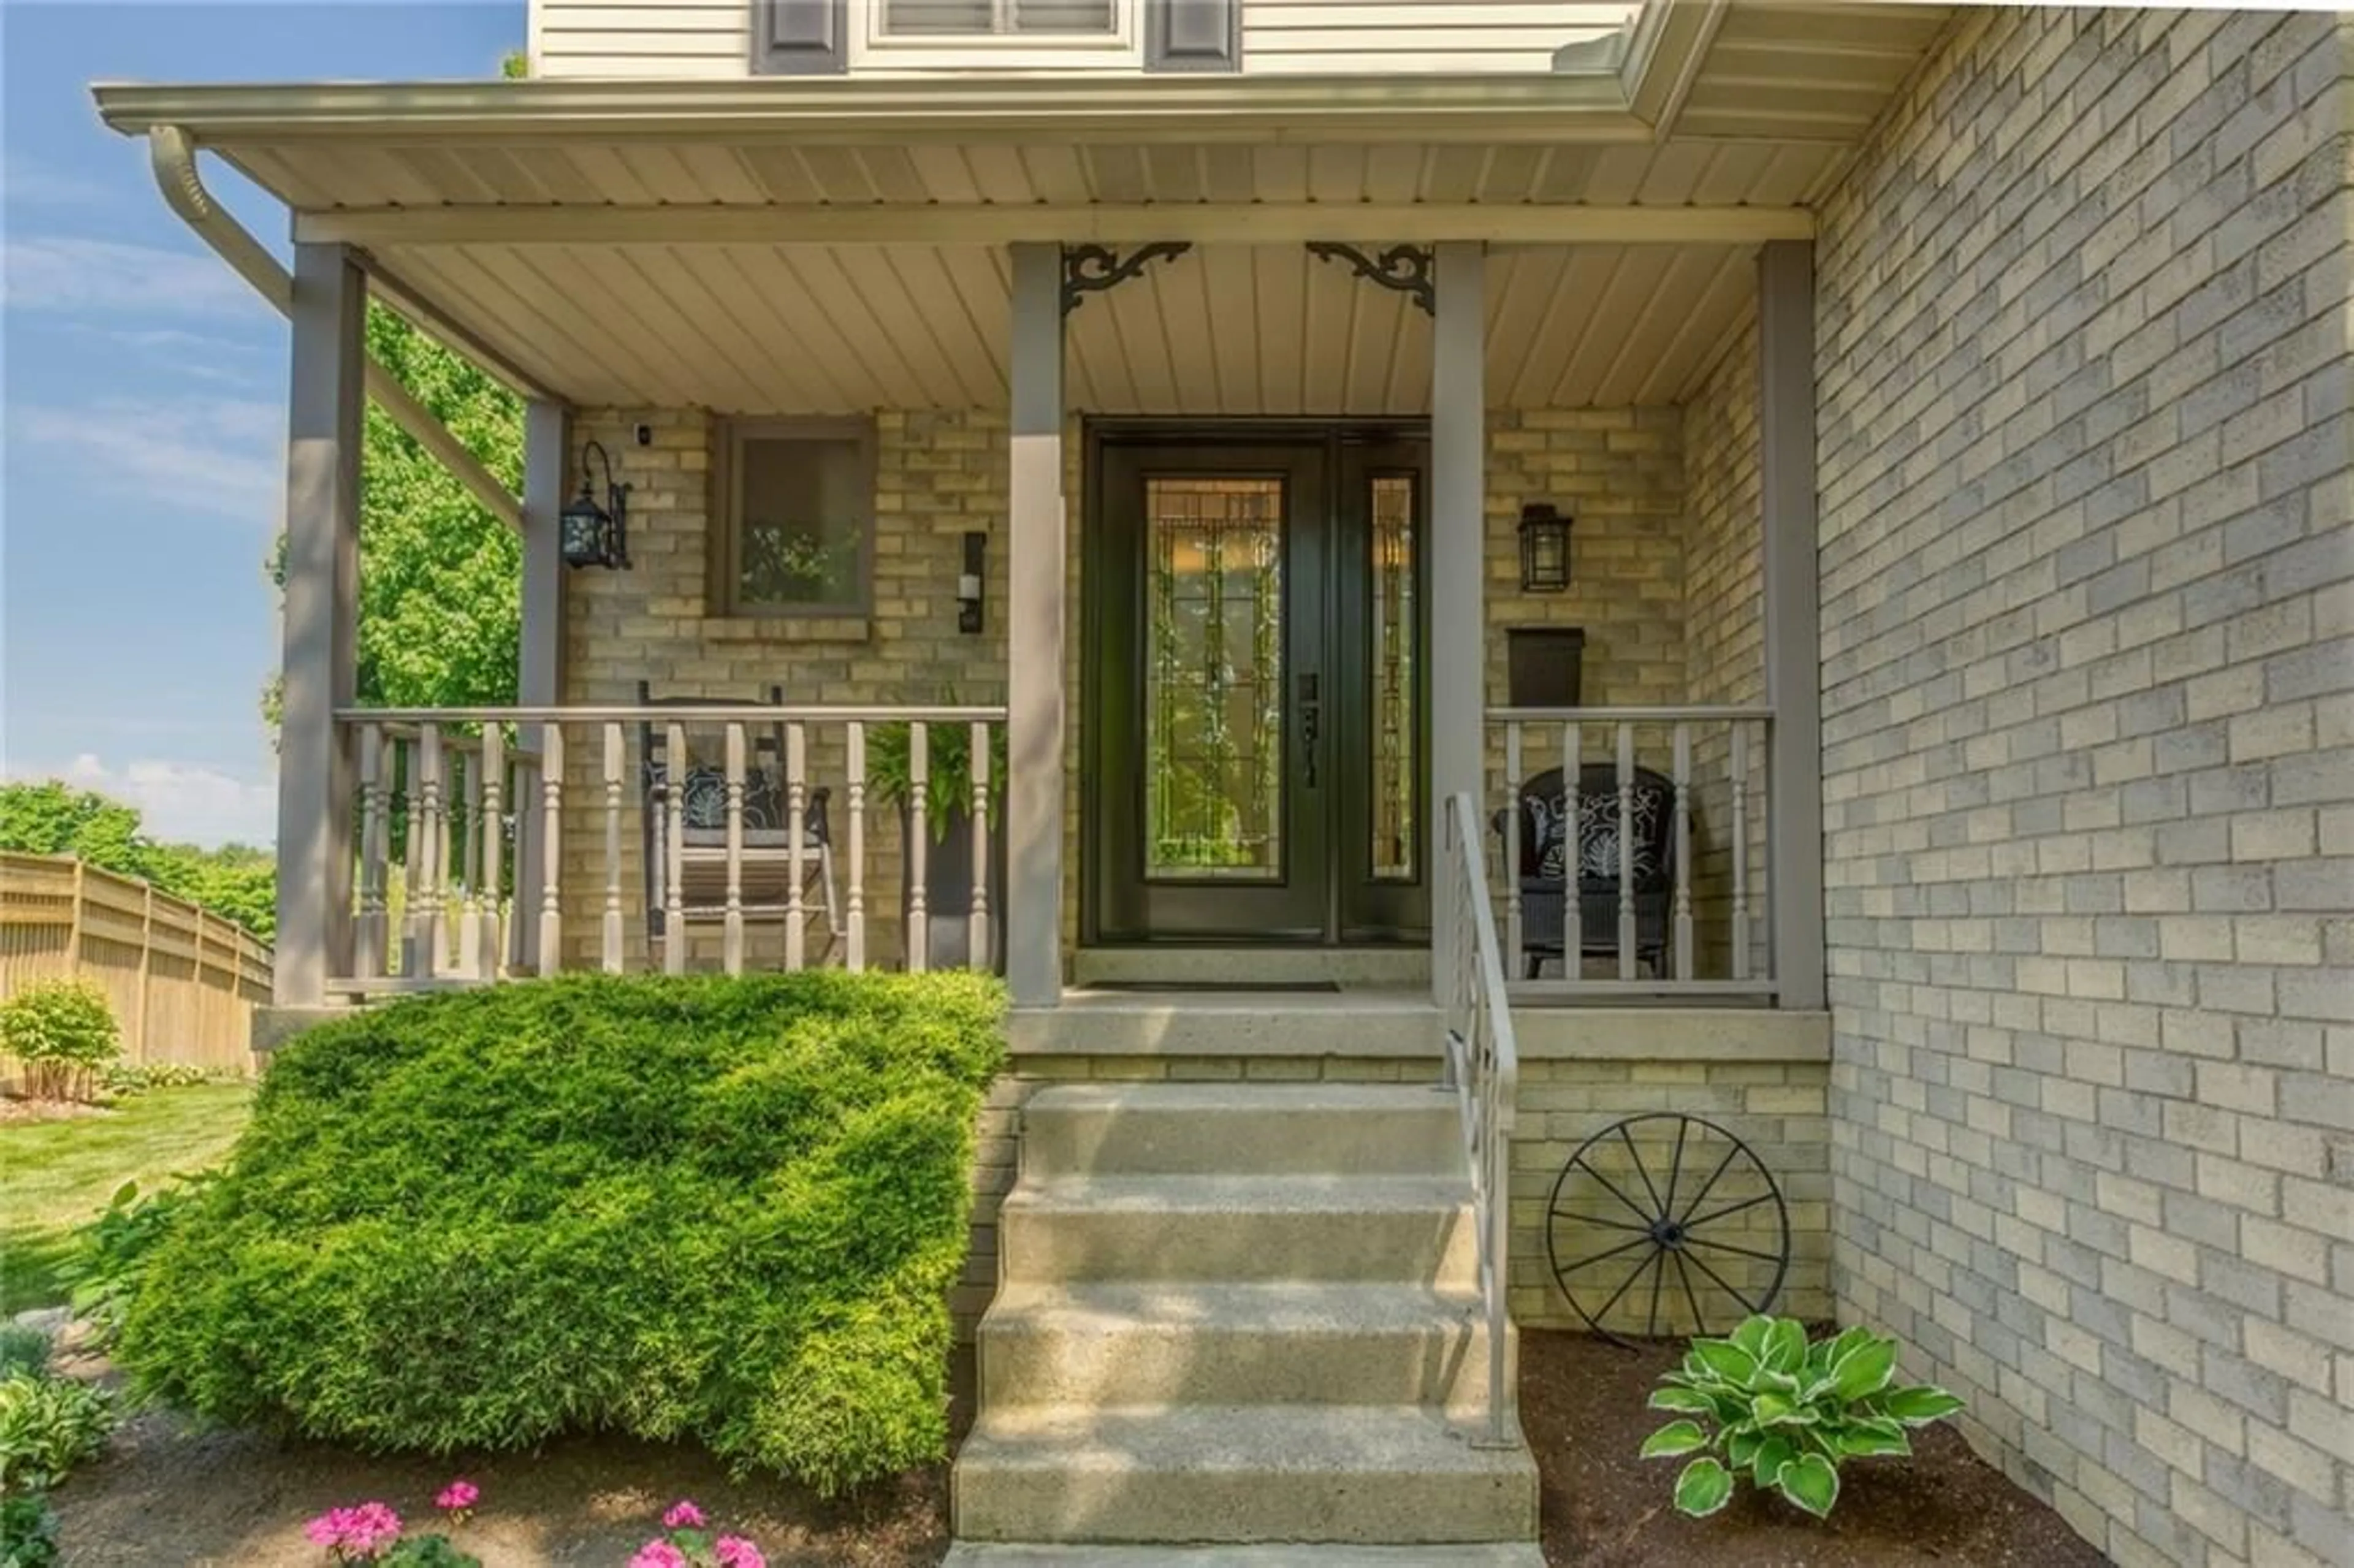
(1483, 1068)
(1634, 837)
(511, 824)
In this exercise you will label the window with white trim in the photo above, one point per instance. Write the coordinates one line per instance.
(1035, 19)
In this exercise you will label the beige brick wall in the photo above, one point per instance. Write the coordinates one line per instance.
(2089, 763)
(940, 473)
(1777, 1108)
(1724, 648)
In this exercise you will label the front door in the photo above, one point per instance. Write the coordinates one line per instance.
(1255, 686)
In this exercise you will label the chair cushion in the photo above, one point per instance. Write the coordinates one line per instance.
(1597, 833)
(705, 798)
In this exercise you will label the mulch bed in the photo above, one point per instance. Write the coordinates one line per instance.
(24, 1108)
(172, 1494)
(1582, 1402)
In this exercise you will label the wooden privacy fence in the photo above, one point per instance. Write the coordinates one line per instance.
(183, 981)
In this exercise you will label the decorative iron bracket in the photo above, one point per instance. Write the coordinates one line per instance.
(1096, 269)
(1404, 267)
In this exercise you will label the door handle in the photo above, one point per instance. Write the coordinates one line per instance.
(1308, 709)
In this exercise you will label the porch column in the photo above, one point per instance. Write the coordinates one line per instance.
(326, 398)
(1793, 592)
(1458, 552)
(1033, 636)
(539, 679)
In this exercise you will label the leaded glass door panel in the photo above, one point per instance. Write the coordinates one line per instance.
(1256, 705)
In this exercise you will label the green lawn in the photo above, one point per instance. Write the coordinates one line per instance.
(54, 1175)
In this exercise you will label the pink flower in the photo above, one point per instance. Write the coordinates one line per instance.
(682, 1515)
(735, 1552)
(659, 1554)
(458, 1495)
(354, 1532)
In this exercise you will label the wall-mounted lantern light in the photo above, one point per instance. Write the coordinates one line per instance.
(969, 582)
(596, 535)
(1545, 548)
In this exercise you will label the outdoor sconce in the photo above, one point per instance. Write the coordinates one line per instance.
(1545, 548)
(969, 583)
(596, 535)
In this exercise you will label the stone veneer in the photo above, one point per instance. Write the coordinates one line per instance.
(2089, 762)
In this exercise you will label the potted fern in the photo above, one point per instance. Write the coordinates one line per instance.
(947, 811)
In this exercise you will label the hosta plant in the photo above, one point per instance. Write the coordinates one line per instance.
(1766, 1404)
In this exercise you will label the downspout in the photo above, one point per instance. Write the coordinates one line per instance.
(173, 156)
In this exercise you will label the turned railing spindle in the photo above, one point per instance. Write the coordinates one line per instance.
(1683, 897)
(616, 757)
(731, 951)
(919, 915)
(431, 760)
(369, 938)
(1573, 860)
(412, 855)
(856, 956)
(551, 849)
(470, 868)
(491, 864)
(976, 952)
(796, 830)
(673, 829)
(1740, 915)
(1625, 851)
(1515, 945)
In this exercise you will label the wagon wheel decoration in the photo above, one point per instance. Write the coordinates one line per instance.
(1669, 1215)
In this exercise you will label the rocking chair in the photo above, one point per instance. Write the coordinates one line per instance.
(764, 866)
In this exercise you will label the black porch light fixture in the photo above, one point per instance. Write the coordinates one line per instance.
(596, 535)
(1545, 548)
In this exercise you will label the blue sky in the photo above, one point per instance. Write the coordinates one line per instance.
(143, 399)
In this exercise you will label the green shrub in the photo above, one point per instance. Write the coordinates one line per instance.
(47, 1426)
(111, 1253)
(723, 1209)
(23, 1349)
(28, 1531)
(1785, 1412)
(63, 1030)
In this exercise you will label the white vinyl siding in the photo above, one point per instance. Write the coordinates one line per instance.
(1335, 37)
(628, 39)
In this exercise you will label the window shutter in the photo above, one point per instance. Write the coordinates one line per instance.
(799, 37)
(1192, 34)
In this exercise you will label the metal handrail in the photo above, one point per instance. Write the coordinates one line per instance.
(1483, 1068)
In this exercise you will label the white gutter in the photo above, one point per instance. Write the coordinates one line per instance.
(1357, 108)
(173, 156)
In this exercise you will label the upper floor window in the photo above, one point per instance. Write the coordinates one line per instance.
(816, 38)
(1096, 19)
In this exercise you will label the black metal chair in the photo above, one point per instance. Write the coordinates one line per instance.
(764, 873)
(1546, 860)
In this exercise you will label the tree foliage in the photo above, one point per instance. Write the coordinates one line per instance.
(52, 817)
(441, 620)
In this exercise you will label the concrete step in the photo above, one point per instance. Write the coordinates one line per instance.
(1287, 1344)
(1396, 1476)
(1413, 1230)
(1241, 1128)
(1185, 964)
(1490, 1554)
(1401, 1023)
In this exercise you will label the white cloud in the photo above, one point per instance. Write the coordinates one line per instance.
(224, 456)
(67, 273)
(183, 802)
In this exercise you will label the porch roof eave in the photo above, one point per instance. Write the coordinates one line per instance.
(1357, 108)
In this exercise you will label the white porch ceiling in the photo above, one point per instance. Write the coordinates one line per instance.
(342, 177)
(1223, 330)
